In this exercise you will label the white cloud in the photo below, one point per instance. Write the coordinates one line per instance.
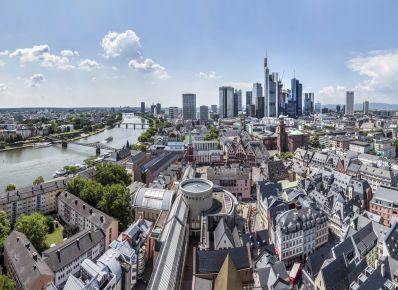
(89, 65)
(239, 85)
(5, 52)
(332, 94)
(126, 44)
(36, 80)
(380, 69)
(69, 53)
(41, 53)
(2, 63)
(210, 75)
(149, 66)
(3, 88)
(114, 68)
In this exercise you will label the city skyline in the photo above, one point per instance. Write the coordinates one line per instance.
(95, 61)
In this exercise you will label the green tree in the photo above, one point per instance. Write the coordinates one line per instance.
(116, 203)
(108, 174)
(6, 283)
(11, 187)
(75, 185)
(5, 228)
(50, 224)
(314, 141)
(34, 227)
(91, 192)
(38, 180)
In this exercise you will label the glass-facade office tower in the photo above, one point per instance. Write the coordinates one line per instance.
(158, 108)
(237, 102)
(266, 87)
(366, 107)
(260, 107)
(257, 92)
(214, 108)
(189, 107)
(142, 107)
(308, 104)
(349, 103)
(226, 99)
(272, 96)
(204, 113)
(249, 98)
(297, 96)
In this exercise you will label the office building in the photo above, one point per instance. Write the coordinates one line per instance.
(153, 109)
(158, 108)
(204, 113)
(249, 98)
(142, 107)
(257, 92)
(318, 108)
(260, 107)
(226, 98)
(237, 102)
(297, 96)
(349, 103)
(188, 107)
(281, 99)
(172, 113)
(338, 108)
(366, 107)
(272, 108)
(266, 87)
(308, 104)
(214, 108)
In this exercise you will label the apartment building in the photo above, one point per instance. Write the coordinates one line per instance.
(299, 232)
(65, 258)
(385, 203)
(74, 211)
(39, 198)
(24, 264)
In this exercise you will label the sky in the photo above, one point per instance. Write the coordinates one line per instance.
(72, 53)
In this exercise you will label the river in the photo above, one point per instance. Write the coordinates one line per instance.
(22, 166)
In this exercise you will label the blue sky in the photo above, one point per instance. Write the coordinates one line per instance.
(117, 53)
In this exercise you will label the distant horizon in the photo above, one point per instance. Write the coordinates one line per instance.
(87, 58)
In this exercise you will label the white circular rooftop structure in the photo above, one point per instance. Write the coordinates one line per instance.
(197, 193)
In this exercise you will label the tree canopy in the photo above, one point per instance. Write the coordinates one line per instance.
(34, 227)
(11, 187)
(108, 174)
(5, 228)
(38, 180)
(116, 202)
(6, 283)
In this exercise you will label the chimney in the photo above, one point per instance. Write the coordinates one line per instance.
(59, 254)
(91, 211)
(382, 270)
(89, 235)
(78, 243)
(102, 219)
(84, 207)
(75, 201)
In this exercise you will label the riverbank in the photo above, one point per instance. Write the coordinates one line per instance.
(30, 145)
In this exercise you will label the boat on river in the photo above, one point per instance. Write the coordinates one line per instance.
(42, 145)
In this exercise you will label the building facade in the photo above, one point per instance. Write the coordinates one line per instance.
(188, 107)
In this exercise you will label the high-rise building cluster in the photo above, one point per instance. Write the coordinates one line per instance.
(268, 99)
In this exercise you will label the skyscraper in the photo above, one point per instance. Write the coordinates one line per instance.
(266, 87)
(237, 101)
(272, 96)
(153, 109)
(366, 107)
(318, 108)
(204, 113)
(188, 107)
(173, 113)
(214, 108)
(281, 99)
(308, 104)
(158, 108)
(257, 92)
(142, 107)
(349, 103)
(226, 99)
(297, 96)
(260, 107)
(249, 99)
